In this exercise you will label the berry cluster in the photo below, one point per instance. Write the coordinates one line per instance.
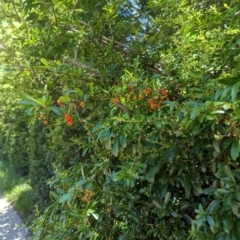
(74, 105)
(145, 98)
(41, 117)
(87, 196)
(68, 119)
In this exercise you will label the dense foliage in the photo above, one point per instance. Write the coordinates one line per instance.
(132, 116)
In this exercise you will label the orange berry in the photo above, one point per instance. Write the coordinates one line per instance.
(115, 100)
(131, 87)
(75, 106)
(45, 122)
(148, 91)
(82, 104)
(60, 103)
(150, 101)
(68, 119)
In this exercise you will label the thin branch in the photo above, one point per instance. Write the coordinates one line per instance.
(15, 11)
(74, 8)
(117, 45)
(94, 73)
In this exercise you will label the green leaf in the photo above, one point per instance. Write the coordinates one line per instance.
(117, 176)
(108, 144)
(229, 173)
(187, 218)
(184, 205)
(172, 212)
(167, 198)
(157, 204)
(91, 88)
(187, 187)
(28, 111)
(123, 140)
(229, 80)
(104, 135)
(209, 191)
(64, 99)
(158, 124)
(196, 112)
(115, 147)
(234, 91)
(213, 205)
(81, 182)
(225, 93)
(237, 110)
(216, 146)
(210, 221)
(217, 94)
(196, 128)
(222, 191)
(227, 224)
(200, 207)
(44, 61)
(198, 188)
(134, 217)
(34, 101)
(238, 192)
(227, 142)
(235, 208)
(164, 191)
(69, 91)
(56, 110)
(54, 195)
(27, 103)
(119, 118)
(227, 106)
(95, 215)
(119, 209)
(84, 151)
(97, 127)
(65, 197)
(235, 150)
(151, 173)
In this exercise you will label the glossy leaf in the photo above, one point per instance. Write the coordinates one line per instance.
(210, 221)
(234, 150)
(65, 198)
(30, 99)
(235, 90)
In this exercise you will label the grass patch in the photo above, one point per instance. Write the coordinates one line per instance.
(17, 190)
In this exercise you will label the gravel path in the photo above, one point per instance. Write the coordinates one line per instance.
(10, 223)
